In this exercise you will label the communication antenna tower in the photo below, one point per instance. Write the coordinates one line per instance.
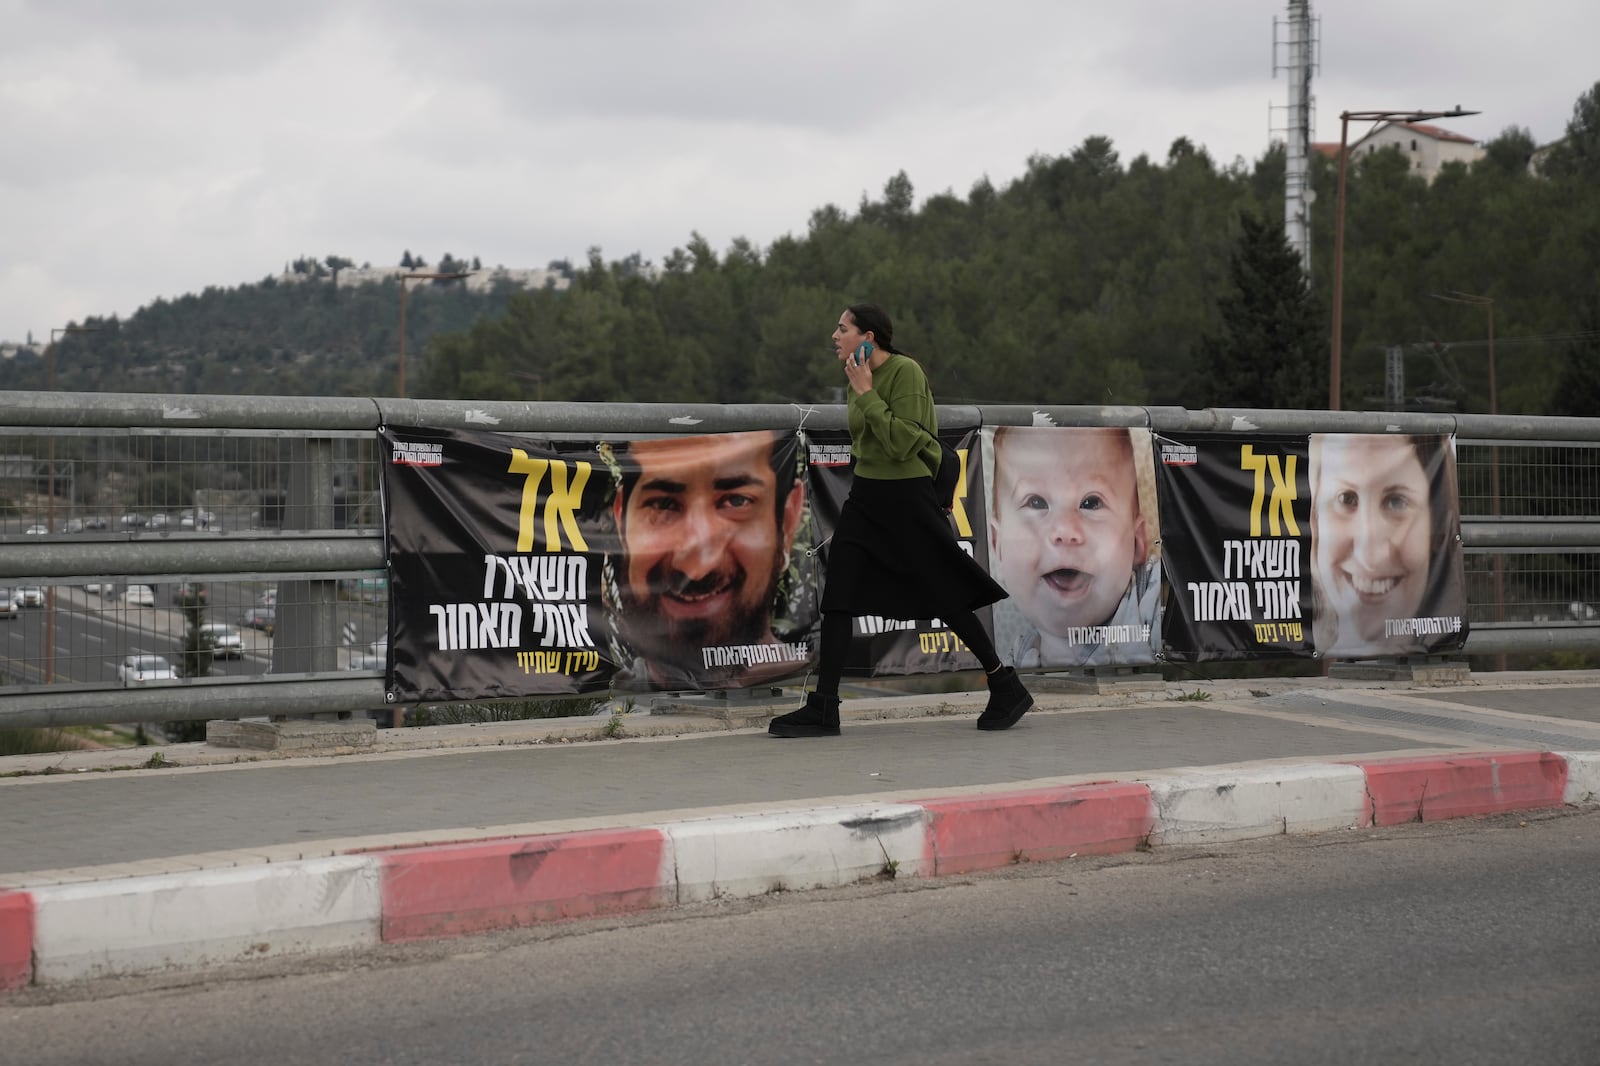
(1297, 50)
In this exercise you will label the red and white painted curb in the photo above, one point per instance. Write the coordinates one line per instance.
(143, 924)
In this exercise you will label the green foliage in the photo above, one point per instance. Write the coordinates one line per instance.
(1270, 350)
(1578, 154)
(36, 741)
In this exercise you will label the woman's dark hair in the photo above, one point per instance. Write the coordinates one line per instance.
(870, 318)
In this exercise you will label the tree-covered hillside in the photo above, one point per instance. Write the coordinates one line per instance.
(1086, 280)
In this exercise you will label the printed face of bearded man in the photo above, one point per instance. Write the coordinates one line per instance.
(706, 532)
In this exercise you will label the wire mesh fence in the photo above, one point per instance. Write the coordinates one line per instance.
(153, 475)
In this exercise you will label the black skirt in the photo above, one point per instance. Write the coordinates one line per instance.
(895, 554)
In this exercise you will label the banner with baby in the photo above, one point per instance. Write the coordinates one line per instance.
(1344, 545)
(1073, 534)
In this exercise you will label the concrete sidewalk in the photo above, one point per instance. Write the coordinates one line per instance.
(222, 854)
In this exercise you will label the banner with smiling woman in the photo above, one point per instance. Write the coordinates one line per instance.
(1335, 545)
(1387, 567)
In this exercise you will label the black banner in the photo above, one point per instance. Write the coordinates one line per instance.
(1282, 545)
(890, 646)
(522, 566)
(1236, 546)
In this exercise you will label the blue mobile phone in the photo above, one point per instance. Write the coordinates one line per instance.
(864, 353)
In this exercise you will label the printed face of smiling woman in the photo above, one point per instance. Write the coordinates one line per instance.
(1373, 530)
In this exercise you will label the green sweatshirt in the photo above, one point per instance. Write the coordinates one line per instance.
(885, 437)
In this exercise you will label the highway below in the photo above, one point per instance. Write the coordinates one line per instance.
(93, 632)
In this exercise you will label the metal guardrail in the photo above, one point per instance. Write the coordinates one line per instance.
(293, 483)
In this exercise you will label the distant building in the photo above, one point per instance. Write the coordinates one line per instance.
(1428, 148)
(478, 281)
(12, 349)
(1541, 156)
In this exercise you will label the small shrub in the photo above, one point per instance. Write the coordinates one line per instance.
(36, 741)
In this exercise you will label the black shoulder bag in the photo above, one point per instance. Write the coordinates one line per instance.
(949, 472)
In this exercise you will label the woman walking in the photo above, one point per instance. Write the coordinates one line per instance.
(894, 553)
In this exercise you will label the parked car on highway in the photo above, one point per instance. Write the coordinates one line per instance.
(138, 669)
(260, 618)
(226, 641)
(30, 596)
(374, 657)
(139, 596)
(193, 591)
(8, 603)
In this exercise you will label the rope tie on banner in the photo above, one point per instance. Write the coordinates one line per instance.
(806, 411)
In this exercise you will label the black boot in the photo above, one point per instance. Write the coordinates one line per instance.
(818, 718)
(1008, 700)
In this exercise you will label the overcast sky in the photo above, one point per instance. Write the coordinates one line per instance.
(149, 148)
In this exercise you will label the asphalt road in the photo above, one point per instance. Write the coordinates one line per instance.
(1469, 942)
(93, 632)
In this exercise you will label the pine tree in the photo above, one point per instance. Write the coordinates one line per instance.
(1577, 390)
(1270, 352)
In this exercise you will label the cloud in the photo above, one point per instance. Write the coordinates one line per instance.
(159, 147)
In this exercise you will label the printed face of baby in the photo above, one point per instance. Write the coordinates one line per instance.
(1066, 531)
(1373, 531)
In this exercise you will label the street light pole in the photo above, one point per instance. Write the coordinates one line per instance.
(400, 380)
(1487, 303)
(1345, 118)
(50, 514)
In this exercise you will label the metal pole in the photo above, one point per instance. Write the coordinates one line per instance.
(1487, 303)
(1338, 231)
(1338, 268)
(400, 381)
(1494, 489)
(50, 516)
(50, 524)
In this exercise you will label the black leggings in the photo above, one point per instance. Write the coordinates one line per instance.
(836, 643)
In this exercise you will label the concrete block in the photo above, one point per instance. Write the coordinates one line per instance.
(737, 706)
(1462, 786)
(1420, 672)
(16, 939)
(1217, 805)
(294, 734)
(1583, 778)
(989, 831)
(205, 917)
(454, 889)
(752, 854)
(1098, 680)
